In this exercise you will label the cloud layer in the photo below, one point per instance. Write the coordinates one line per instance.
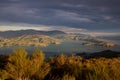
(82, 14)
(24, 26)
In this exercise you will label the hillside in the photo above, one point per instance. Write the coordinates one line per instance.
(17, 38)
(29, 40)
(18, 33)
(105, 54)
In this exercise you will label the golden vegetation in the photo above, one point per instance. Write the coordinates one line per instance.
(21, 66)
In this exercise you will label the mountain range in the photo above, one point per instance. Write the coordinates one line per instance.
(44, 38)
(18, 33)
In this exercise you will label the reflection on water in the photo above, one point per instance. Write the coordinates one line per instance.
(69, 47)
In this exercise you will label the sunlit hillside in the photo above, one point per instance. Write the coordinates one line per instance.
(29, 40)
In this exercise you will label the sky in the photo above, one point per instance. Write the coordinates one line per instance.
(97, 16)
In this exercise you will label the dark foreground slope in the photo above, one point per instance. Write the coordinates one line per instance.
(20, 66)
(105, 54)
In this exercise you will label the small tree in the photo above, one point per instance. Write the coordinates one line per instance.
(36, 61)
(17, 65)
(38, 69)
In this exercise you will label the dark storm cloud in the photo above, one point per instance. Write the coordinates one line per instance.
(88, 14)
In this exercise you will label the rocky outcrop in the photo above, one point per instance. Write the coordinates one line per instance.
(107, 44)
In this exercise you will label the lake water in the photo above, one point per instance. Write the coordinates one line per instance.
(68, 48)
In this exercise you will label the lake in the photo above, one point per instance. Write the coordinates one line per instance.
(67, 47)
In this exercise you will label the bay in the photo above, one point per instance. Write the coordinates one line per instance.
(67, 47)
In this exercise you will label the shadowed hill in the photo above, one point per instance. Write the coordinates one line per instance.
(105, 54)
(11, 34)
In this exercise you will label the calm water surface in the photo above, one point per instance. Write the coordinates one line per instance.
(68, 48)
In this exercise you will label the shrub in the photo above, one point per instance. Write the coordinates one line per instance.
(20, 66)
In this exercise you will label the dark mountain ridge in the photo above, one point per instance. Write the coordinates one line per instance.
(105, 54)
(17, 33)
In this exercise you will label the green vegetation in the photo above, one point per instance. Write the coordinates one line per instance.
(21, 66)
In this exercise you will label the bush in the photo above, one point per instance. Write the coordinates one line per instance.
(21, 66)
